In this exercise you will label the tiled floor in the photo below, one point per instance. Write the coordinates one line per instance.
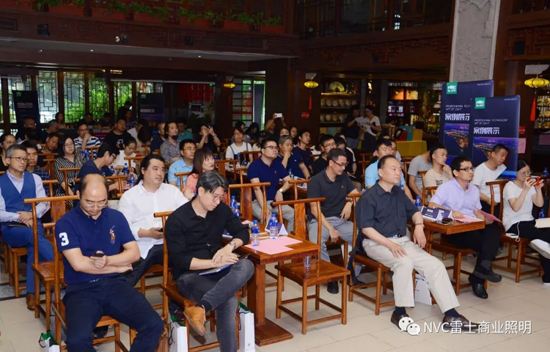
(508, 302)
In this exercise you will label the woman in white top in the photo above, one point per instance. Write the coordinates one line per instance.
(519, 197)
(238, 146)
(371, 128)
(440, 171)
(130, 145)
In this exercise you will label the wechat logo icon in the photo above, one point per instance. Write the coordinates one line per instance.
(408, 325)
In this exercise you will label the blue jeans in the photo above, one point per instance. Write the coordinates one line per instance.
(86, 303)
(23, 237)
(219, 290)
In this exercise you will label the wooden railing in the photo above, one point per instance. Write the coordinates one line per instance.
(326, 18)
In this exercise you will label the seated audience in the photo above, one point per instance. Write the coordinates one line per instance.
(207, 138)
(117, 136)
(418, 163)
(6, 141)
(302, 147)
(267, 169)
(351, 166)
(127, 152)
(284, 132)
(519, 198)
(144, 138)
(252, 133)
(273, 126)
(51, 127)
(440, 171)
(183, 133)
(60, 118)
(194, 240)
(67, 158)
(105, 121)
(184, 163)
(88, 120)
(334, 185)
(462, 197)
(85, 140)
(202, 162)
(382, 215)
(105, 157)
(32, 161)
(97, 245)
(123, 111)
(490, 171)
(238, 146)
(16, 217)
(293, 132)
(170, 150)
(50, 147)
(28, 124)
(293, 163)
(327, 143)
(383, 148)
(158, 139)
(137, 127)
(139, 204)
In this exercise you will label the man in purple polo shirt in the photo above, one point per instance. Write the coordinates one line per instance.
(462, 197)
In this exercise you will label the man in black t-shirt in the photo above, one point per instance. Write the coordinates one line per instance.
(326, 143)
(351, 128)
(334, 185)
(118, 135)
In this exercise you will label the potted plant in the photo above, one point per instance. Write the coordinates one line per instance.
(143, 13)
(58, 7)
(190, 18)
(238, 22)
(116, 10)
(215, 19)
(19, 4)
(272, 25)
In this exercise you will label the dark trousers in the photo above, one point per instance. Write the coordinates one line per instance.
(23, 237)
(155, 256)
(86, 303)
(485, 242)
(369, 143)
(527, 229)
(219, 291)
(486, 207)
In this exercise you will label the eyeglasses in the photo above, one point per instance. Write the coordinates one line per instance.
(272, 147)
(329, 145)
(468, 169)
(191, 149)
(341, 165)
(19, 159)
(216, 197)
(526, 173)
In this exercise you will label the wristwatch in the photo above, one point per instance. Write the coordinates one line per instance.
(280, 190)
(419, 225)
(233, 244)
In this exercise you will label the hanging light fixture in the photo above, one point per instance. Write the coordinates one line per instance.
(310, 84)
(536, 83)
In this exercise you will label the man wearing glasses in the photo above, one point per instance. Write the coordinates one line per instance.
(97, 246)
(184, 164)
(85, 140)
(267, 169)
(194, 239)
(16, 185)
(327, 143)
(333, 184)
(462, 197)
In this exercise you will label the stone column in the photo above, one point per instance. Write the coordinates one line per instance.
(474, 41)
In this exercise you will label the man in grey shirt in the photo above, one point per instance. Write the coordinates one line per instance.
(419, 163)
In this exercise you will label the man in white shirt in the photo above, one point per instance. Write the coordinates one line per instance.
(85, 139)
(139, 205)
(490, 171)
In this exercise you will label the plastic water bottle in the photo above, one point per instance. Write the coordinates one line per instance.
(273, 233)
(233, 204)
(290, 174)
(255, 233)
(239, 158)
(418, 202)
(112, 168)
(237, 212)
(545, 172)
(131, 181)
(125, 169)
(541, 214)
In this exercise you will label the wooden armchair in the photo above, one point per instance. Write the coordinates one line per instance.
(320, 272)
(74, 173)
(181, 175)
(246, 199)
(299, 192)
(224, 165)
(251, 155)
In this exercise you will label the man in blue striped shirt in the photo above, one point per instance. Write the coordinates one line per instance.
(85, 139)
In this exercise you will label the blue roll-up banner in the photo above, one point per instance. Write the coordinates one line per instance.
(151, 106)
(495, 121)
(455, 130)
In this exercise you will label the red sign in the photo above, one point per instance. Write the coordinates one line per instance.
(521, 130)
(305, 115)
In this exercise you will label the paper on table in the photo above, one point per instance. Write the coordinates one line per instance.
(468, 219)
(286, 241)
(269, 246)
(490, 216)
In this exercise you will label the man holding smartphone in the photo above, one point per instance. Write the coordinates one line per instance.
(97, 246)
(139, 204)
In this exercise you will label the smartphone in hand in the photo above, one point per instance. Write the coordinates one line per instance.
(98, 254)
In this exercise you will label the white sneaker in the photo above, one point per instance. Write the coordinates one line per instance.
(546, 284)
(542, 247)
